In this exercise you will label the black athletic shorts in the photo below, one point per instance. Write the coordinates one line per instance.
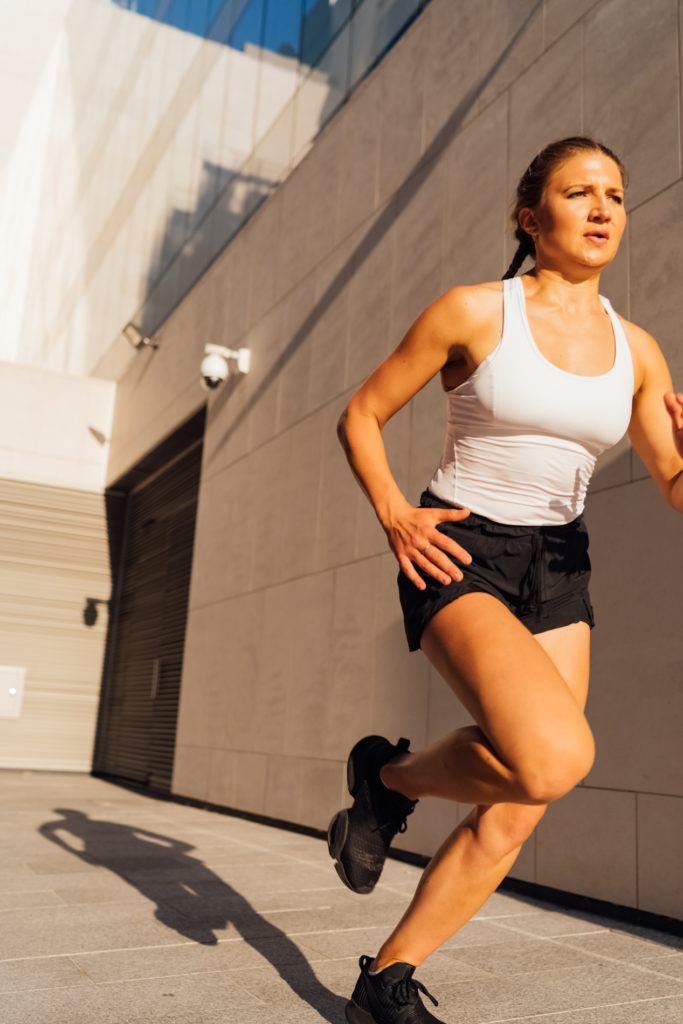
(540, 573)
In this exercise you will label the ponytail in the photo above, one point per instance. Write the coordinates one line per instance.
(525, 248)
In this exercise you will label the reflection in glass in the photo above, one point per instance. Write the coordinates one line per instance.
(394, 16)
(248, 27)
(321, 20)
(272, 155)
(198, 17)
(213, 7)
(282, 28)
(364, 38)
(322, 92)
(241, 89)
(177, 13)
(376, 26)
(189, 15)
(226, 15)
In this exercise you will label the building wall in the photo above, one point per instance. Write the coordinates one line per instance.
(27, 34)
(144, 142)
(54, 438)
(294, 644)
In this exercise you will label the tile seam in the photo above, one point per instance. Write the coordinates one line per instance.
(579, 1009)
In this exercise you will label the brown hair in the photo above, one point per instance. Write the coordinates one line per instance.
(534, 180)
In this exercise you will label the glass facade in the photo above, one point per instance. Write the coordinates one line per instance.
(294, 28)
(290, 64)
(154, 130)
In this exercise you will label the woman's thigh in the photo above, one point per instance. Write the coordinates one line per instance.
(525, 692)
(569, 650)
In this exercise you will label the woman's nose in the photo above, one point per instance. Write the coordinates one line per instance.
(601, 210)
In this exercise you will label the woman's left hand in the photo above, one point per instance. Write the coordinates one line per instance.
(674, 406)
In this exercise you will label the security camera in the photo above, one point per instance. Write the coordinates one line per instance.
(215, 364)
(214, 370)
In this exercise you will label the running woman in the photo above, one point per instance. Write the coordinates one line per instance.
(541, 376)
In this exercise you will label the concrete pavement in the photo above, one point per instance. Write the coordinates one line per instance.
(122, 909)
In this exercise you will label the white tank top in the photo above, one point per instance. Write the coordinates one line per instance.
(523, 435)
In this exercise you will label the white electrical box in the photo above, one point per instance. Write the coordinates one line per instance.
(11, 690)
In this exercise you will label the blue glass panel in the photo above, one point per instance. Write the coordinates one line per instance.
(249, 26)
(322, 19)
(198, 17)
(394, 16)
(214, 7)
(341, 12)
(364, 42)
(176, 13)
(148, 7)
(283, 26)
(226, 15)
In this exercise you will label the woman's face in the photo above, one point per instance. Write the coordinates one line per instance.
(581, 217)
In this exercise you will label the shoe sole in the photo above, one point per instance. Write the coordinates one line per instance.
(336, 838)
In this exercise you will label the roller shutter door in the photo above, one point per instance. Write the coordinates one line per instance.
(140, 703)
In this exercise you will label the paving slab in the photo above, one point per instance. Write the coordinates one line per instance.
(118, 908)
(643, 1011)
(535, 994)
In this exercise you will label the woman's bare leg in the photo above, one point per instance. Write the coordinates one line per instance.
(461, 876)
(533, 681)
(531, 743)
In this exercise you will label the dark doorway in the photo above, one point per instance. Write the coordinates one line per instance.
(152, 521)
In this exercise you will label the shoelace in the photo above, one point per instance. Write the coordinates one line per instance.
(391, 819)
(391, 823)
(406, 991)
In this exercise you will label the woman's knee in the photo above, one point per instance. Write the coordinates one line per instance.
(504, 828)
(557, 764)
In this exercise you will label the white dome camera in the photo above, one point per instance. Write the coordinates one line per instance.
(214, 370)
(215, 367)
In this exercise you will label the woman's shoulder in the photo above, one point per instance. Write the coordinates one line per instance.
(468, 317)
(485, 292)
(473, 303)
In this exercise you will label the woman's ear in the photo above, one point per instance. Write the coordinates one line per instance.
(528, 222)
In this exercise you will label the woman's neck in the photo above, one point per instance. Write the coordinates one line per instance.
(554, 288)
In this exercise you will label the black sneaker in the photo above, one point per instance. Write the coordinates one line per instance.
(359, 837)
(390, 997)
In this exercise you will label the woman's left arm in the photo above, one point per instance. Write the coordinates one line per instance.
(656, 428)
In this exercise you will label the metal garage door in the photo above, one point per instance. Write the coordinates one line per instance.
(142, 686)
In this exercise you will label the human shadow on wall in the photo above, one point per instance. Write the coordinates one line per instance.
(190, 898)
(413, 182)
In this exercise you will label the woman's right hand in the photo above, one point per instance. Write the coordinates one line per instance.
(415, 541)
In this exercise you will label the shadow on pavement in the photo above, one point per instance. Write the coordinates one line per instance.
(190, 898)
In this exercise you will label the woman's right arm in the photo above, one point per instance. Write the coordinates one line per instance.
(429, 344)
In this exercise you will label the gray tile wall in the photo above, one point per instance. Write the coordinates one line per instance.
(294, 643)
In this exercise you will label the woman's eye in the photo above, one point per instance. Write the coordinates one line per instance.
(619, 200)
(580, 193)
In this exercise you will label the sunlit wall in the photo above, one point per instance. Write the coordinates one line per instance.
(155, 128)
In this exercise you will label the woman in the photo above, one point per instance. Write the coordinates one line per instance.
(541, 376)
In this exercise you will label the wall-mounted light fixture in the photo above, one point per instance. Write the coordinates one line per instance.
(136, 338)
(215, 366)
(90, 610)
